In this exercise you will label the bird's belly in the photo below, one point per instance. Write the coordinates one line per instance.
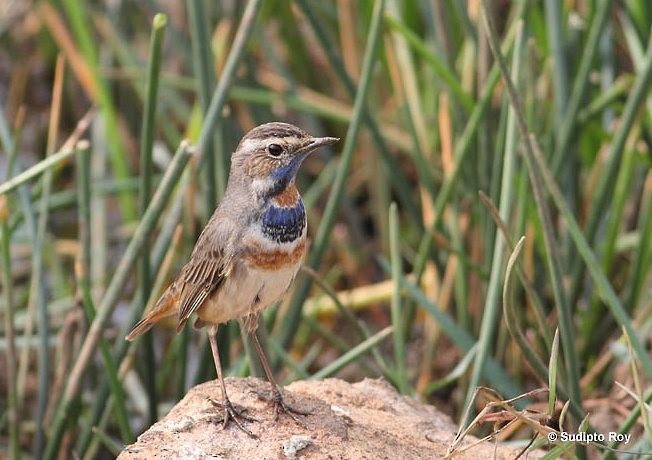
(248, 292)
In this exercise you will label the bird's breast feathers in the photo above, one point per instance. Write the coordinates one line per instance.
(278, 238)
(283, 217)
(272, 250)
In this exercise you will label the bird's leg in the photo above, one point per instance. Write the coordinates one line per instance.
(277, 397)
(229, 412)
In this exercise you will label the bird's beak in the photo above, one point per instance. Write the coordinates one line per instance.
(317, 142)
(313, 144)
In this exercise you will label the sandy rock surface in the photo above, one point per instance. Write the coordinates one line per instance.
(364, 420)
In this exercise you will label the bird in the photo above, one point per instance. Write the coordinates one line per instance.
(248, 254)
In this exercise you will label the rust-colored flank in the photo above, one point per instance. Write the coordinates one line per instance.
(277, 259)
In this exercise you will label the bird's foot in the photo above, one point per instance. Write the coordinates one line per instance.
(230, 412)
(280, 406)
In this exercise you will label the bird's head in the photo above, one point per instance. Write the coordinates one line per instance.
(270, 155)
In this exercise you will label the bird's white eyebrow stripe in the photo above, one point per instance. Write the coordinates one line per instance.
(253, 144)
(261, 143)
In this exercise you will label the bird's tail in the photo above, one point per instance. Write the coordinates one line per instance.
(166, 306)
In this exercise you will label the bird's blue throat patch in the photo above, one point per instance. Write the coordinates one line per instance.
(284, 224)
(285, 174)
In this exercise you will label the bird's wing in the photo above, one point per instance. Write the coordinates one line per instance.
(209, 266)
(201, 278)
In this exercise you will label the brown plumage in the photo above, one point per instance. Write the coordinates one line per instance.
(198, 280)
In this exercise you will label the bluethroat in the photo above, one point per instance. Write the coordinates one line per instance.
(248, 255)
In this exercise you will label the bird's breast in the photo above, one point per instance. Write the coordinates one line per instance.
(277, 239)
(284, 218)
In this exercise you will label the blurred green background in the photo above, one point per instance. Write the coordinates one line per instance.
(412, 216)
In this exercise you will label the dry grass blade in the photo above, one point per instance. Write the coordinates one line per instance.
(538, 422)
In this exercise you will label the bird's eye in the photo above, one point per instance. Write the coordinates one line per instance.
(274, 149)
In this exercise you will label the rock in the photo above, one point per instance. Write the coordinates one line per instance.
(362, 420)
(295, 444)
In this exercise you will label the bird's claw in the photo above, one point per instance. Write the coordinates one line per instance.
(229, 412)
(280, 406)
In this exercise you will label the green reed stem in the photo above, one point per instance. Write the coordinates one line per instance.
(511, 318)
(628, 425)
(131, 68)
(291, 322)
(84, 212)
(552, 259)
(202, 60)
(604, 193)
(537, 302)
(108, 442)
(552, 376)
(462, 149)
(495, 374)
(605, 289)
(642, 256)
(353, 354)
(13, 400)
(361, 329)
(38, 168)
(84, 282)
(491, 308)
(396, 308)
(399, 182)
(147, 141)
(441, 69)
(220, 94)
(544, 373)
(13, 410)
(112, 296)
(81, 28)
(621, 197)
(10, 147)
(555, 34)
(568, 125)
(38, 294)
(102, 405)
